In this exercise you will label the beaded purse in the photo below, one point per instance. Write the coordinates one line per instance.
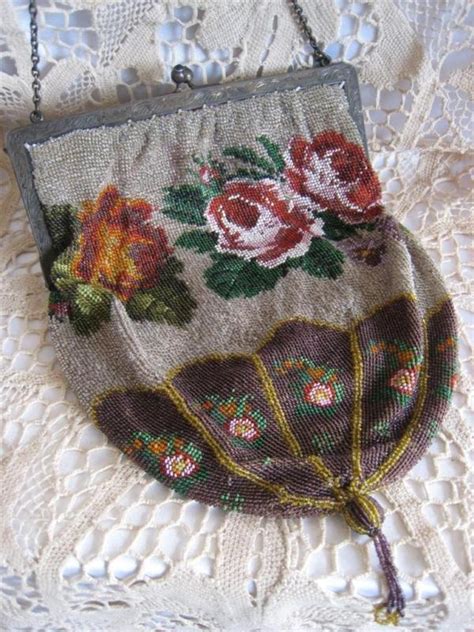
(230, 300)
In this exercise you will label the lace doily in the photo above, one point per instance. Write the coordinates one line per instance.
(89, 542)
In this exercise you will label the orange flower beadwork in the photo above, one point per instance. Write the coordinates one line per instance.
(119, 249)
(114, 250)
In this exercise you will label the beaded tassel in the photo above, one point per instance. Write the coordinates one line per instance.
(364, 515)
(395, 607)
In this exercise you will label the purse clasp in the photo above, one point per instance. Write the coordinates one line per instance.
(182, 75)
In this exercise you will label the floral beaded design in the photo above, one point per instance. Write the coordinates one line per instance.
(244, 423)
(316, 387)
(309, 207)
(400, 370)
(272, 211)
(336, 175)
(446, 349)
(302, 423)
(329, 461)
(172, 459)
(110, 248)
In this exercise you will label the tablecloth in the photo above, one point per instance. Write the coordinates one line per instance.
(89, 542)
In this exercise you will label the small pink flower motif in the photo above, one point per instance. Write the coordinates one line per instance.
(179, 465)
(243, 428)
(261, 220)
(207, 174)
(404, 381)
(320, 394)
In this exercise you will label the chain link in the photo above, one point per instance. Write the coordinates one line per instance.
(36, 115)
(320, 58)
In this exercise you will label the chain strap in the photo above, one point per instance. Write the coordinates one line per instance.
(36, 115)
(320, 58)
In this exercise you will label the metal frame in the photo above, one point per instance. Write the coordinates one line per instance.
(214, 95)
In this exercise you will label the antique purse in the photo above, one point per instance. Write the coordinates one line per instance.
(231, 301)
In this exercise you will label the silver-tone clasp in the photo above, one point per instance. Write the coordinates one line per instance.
(182, 75)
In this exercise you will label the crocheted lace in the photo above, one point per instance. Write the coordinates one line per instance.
(91, 542)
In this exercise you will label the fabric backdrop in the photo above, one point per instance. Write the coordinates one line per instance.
(90, 542)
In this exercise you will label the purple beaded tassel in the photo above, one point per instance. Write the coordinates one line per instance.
(364, 515)
(395, 607)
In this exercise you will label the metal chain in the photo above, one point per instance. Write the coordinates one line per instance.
(36, 115)
(320, 58)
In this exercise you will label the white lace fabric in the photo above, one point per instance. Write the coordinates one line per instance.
(90, 542)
